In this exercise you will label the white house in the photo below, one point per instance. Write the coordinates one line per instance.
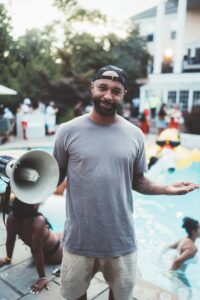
(173, 39)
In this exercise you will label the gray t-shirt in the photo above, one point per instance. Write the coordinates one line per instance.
(100, 162)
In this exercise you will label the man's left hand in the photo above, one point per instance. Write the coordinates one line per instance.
(181, 188)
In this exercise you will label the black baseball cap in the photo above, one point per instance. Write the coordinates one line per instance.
(120, 72)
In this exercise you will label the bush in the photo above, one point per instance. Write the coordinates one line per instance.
(192, 122)
(66, 116)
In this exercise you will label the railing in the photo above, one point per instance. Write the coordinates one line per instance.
(191, 63)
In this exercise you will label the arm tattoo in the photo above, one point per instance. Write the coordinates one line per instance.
(143, 185)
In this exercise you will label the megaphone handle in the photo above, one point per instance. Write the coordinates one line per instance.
(9, 166)
(4, 162)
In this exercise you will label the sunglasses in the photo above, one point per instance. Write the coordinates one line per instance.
(171, 143)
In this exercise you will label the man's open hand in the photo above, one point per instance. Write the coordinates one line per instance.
(181, 188)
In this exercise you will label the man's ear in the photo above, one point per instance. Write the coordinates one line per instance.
(125, 91)
(92, 85)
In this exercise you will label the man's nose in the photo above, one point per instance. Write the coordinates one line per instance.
(108, 95)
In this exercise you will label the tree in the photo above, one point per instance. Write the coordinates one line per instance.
(5, 35)
(84, 54)
(6, 48)
(72, 12)
(34, 58)
(131, 55)
(5, 43)
(25, 62)
(66, 5)
(36, 68)
(77, 66)
(79, 63)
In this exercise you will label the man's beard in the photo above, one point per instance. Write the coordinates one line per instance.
(109, 110)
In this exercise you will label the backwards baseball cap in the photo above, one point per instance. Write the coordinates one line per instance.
(120, 72)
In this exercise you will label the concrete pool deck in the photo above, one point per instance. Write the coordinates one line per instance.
(15, 279)
(187, 140)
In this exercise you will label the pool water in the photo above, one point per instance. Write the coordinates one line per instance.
(158, 221)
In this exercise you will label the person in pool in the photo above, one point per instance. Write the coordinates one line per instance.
(26, 222)
(186, 248)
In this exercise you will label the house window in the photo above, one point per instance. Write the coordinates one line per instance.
(197, 53)
(171, 98)
(150, 37)
(196, 98)
(173, 35)
(183, 100)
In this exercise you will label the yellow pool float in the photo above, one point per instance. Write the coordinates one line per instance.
(169, 143)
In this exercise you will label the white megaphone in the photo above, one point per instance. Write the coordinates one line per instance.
(33, 177)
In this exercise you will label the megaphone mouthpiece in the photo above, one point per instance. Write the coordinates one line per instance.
(28, 174)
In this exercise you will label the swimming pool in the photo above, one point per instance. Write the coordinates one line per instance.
(158, 222)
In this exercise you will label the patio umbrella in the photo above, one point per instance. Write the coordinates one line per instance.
(6, 91)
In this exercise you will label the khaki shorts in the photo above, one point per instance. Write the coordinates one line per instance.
(77, 272)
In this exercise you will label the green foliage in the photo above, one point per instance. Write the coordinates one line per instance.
(66, 5)
(85, 55)
(6, 45)
(32, 59)
(35, 60)
(66, 116)
(37, 69)
(131, 55)
(83, 15)
(89, 54)
(73, 12)
(5, 36)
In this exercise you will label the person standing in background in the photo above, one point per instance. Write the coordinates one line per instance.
(162, 114)
(144, 121)
(51, 112)
(41, 107)
(127, 111)
(135, 107)
(8, 114)
(175, 117)
(26, 109)
(154, 102)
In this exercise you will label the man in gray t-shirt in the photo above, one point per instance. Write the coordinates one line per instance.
(103, 157)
